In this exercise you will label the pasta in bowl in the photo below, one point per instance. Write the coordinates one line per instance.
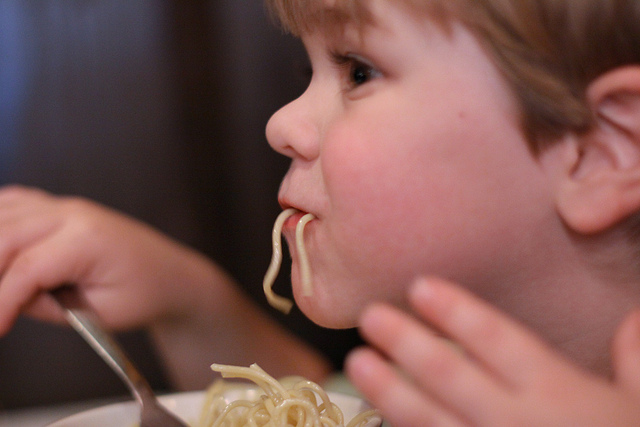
(269, 403)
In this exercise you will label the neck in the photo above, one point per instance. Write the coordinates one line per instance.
(580, 313)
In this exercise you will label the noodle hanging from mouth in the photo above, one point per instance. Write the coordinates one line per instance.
(303, 259)
(281, 303)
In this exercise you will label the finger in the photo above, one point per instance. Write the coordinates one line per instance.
(626, 353)
(33, 272)
(399, 402)
(10, 193)
(16, 200)
(502, 345)
(26, 215)
(18, 234)
(439, 368)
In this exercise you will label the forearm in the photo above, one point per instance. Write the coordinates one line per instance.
(135, 276)
(224, 326)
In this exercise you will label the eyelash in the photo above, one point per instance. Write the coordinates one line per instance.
(357, 70)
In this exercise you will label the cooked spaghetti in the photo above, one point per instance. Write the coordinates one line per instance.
(281, 303)
(305, 269)
(291, 402)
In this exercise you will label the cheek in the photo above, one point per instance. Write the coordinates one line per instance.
(382, 165)
(375, 188)
(424, 195)
(357, 195)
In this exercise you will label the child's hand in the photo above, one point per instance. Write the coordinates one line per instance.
(501, 374)
(129, 272)
(136, 277)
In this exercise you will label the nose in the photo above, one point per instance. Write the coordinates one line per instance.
(291, 130)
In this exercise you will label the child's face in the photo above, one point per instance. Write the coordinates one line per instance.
(408, 150)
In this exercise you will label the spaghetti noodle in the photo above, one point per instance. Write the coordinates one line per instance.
(281, 303)
(293, 401)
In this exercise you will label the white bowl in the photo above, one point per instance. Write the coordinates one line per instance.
(187, 406)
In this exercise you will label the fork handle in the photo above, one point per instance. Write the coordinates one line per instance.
(86, 323)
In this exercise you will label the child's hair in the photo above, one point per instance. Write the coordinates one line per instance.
(548, 50)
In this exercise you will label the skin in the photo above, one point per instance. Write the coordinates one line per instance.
(497, 374)
(135, 277)
(400, 188)
(422, 168)
(409, 153)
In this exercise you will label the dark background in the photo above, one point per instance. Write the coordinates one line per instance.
(156, 108)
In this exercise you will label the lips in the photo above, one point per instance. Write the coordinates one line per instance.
(291, 222)
(289, 225)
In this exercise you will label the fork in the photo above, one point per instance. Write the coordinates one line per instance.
(83, 319)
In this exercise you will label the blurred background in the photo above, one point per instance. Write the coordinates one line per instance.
(156, 108)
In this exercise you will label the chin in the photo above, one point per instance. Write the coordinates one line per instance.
(332, 316)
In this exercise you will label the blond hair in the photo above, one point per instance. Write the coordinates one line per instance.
(548, 50)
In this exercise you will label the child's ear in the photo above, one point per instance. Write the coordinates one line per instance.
(600, 183)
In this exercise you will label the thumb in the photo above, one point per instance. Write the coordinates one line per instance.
(626, 353)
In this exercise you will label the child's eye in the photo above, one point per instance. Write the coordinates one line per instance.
(361, 73)
(358, 70)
